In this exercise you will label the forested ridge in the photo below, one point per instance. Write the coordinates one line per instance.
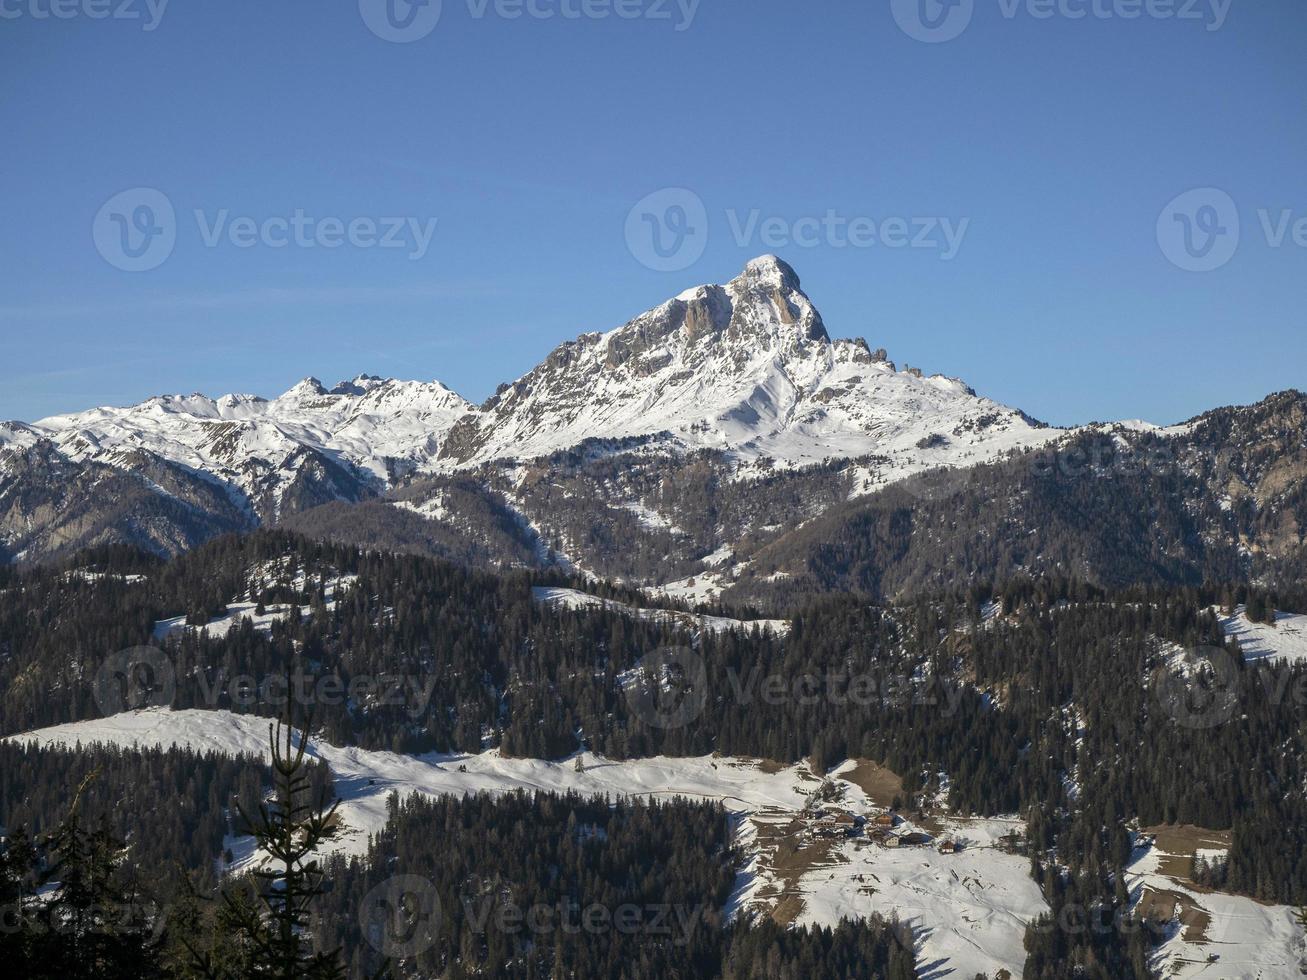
(1038, 696)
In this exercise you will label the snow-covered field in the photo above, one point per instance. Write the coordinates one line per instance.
(1286, 641)
(1250, 941)
(969, 909)
(573, 599)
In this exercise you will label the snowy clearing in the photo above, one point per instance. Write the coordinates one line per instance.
(1250, 940)
(1285, 641)
(969, 909)
(573, 599)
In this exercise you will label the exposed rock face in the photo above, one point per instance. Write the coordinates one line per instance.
(723, 385)
(747, 367)
(51, 504)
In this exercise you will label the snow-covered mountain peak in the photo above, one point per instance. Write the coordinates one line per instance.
(746, 367)
(360, 385)
(306, 390)
(772, 270)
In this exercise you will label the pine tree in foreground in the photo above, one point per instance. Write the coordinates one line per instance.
(271, 933)
(72, 907)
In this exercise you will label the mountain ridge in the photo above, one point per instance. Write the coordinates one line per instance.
(719, 385)
(747, 367)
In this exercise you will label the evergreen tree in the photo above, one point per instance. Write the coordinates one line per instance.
(271, 935)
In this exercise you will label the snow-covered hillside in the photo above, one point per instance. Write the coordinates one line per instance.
(1213, 934)
(572, 599)
(1286, 641)
(747, 368)
(969, 911)
(379, 428)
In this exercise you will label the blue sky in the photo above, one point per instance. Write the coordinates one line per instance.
(1057, 145)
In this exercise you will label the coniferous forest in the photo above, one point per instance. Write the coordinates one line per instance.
(1007, 687)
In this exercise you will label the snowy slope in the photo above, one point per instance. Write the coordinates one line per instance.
(377, 428)
(969, 911)
(573, 599)
(1286, 641)
(1250, 940)
(747, 368)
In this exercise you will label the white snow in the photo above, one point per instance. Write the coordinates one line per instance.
(573, 599)
(222, 625)
(649, 517)
(242, 608)
(248, 442)
(969, 910)
(1286, 641)
(1252, 941)
(433, 509)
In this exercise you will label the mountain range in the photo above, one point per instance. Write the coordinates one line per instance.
(660, 452)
